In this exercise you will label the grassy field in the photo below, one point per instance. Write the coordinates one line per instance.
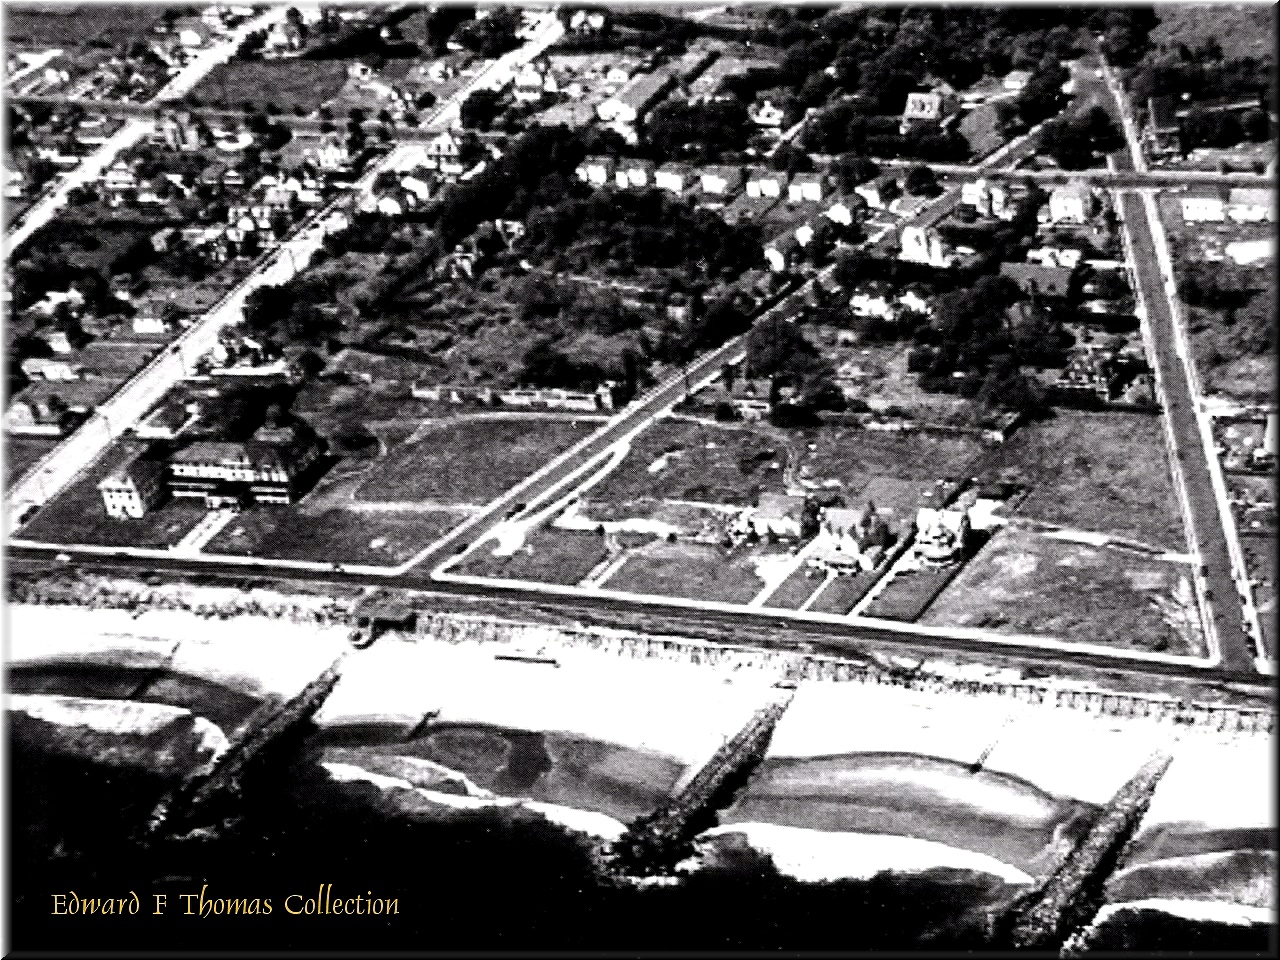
(1105, 472)
(842, 594)
(796, 589)
(1025, 583)
(69, 26)
(549, 555)
(909, 593)
(77, 516)
(1241, 30)
(21, 452)
(308, 84)
(332, 535)
(693, 571)
(683, 460)
(471, 462)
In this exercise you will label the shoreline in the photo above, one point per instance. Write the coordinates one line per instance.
(603, 696)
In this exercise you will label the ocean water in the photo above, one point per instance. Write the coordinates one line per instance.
(492, 879)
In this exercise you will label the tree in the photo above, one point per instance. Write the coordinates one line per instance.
(479, 109)
(921, 182)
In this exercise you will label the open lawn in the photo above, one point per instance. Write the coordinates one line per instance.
(549, 555)
(472, 461)
(1026, 583)
(1104, 472)
(308, 84)
(21, 452)
(677, 459)
(796, 589)
(909, 593)
(332, 535)
(843, 593)
(693, 571)
(77, 516)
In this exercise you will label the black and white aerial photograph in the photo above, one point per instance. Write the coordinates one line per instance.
(639, 478)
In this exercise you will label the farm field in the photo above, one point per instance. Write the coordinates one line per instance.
(77, 513)
(1026, 583)
(472, 461)
(1103, 472)
(288, 84)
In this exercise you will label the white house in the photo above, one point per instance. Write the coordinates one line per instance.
(922, 244)
(806, 188)
(941, 535)
(1203, 209)
(766, 183)
(1015, 80)
(674, 177)
(1071, 203)
(596, 171)
(765, 114)
(1251, 206)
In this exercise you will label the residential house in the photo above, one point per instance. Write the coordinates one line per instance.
(50, 368)
(1037, 280)
(528, 82)
(133, 488)
(674, 177)
(597, 170)
(777, 516)
(850, 540)
(450, 152)
(629, 106)
(941, 534)
(329, 154)
(181, 131)
(721, 181)
(846, 210)
(926, 110)
(766, 183)
(988, 199)
(1073, 202)
(881, 191)
(1088, 372)
(266, 469)
(1015, 80)
(1162, 133)
(42, 407)
(633, 174)
(584, 21)
(1251, 205)
(1203, 208)
(766, 114)
(1056, 257)
(783, 251)
(151, 324)
(807, 188)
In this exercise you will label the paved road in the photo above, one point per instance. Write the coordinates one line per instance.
(61, 465)
(94, 164)
(1220, 600)
(834, 638)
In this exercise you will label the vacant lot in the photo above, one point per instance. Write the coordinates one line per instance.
(910, 593)
(305, 84)
(472, 461)
(685, 460)
(1025, 583)
(549, 555)
(1105, 472)
(77, 516)
(693, 571)
(21, 453)
(333, 535)
(897, 471)
(57, 25)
